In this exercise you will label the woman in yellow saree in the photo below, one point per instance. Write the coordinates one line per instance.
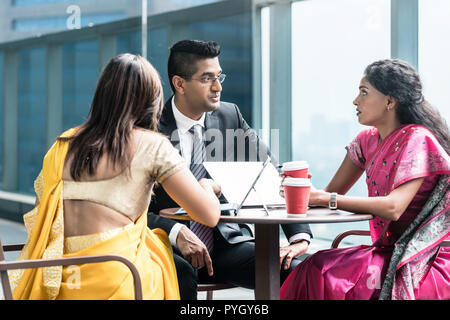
(93, 193)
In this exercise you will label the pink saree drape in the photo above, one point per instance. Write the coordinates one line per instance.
(404, 261)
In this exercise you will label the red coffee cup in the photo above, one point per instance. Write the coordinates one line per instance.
(295, 169)
(296, 193)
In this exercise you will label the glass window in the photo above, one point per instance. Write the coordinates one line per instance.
(332, 42)
(192, 3)
(29, 18)
(158, 54)
(19, 3)
(31, 116)
(158, 51)
(234, 36)
(434, 50)
(60, 23)
(1, 118)
(80, 75)
(129, 42)
(159, 6)
(265, 75)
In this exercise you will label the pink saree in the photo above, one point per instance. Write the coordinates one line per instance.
(405, 260)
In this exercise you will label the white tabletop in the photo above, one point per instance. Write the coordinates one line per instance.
(259, 216)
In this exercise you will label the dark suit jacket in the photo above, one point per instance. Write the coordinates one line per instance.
(239, 143)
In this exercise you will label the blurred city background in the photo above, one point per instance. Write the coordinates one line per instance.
(293, 68)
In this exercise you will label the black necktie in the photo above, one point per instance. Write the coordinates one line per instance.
(203, 232)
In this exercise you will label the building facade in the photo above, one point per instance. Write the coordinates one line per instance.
(47, 82)
(21, 19)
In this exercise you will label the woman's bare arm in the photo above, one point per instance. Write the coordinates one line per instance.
(345, 177)
(198, 199)
(389, 207)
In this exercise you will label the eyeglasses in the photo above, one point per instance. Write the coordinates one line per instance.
(208, 79)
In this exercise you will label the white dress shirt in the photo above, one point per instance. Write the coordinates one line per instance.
(184, 124)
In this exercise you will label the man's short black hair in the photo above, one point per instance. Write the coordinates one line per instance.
(185, 54)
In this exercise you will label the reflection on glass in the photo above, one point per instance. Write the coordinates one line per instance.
(31, 115)
(129, 42)
(30, 18)
(80, 55)
(160, 6)
(60, 23)
(1, 118)
(158, 53)
(332, 43)
(234, 36)
(434, 50)
(19, 3)
(265, 73)
(80, 74)
(192, 3)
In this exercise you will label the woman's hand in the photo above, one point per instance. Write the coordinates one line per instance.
(318, 197)
(209, 183)
(283, 176)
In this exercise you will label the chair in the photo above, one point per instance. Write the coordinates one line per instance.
(211, 287)
(345, 234)
(23, 264)
(39, 263)
(340, 237)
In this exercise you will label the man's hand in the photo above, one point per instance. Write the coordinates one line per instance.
(292, 251)
(194, 250)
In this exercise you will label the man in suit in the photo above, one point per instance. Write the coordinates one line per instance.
(223, 254)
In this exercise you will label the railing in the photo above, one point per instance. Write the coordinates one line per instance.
(17, 197)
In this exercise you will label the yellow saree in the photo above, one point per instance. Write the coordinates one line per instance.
(149, 250)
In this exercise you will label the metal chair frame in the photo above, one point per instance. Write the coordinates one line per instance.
(211, 287)
(42, 263)
(341, 236)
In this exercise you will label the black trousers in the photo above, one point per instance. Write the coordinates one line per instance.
(232, 263)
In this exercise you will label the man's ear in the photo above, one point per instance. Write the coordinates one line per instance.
(178, 84)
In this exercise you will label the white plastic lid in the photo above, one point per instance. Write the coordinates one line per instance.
(297, 182)
(294, 165)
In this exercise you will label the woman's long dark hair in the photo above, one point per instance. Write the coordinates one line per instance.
(400, 80)
(128, 94)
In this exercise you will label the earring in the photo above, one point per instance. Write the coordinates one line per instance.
(388, 108)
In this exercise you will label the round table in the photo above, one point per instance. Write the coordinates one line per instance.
(267, 236)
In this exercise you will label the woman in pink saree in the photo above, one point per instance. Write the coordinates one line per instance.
(405, 154)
